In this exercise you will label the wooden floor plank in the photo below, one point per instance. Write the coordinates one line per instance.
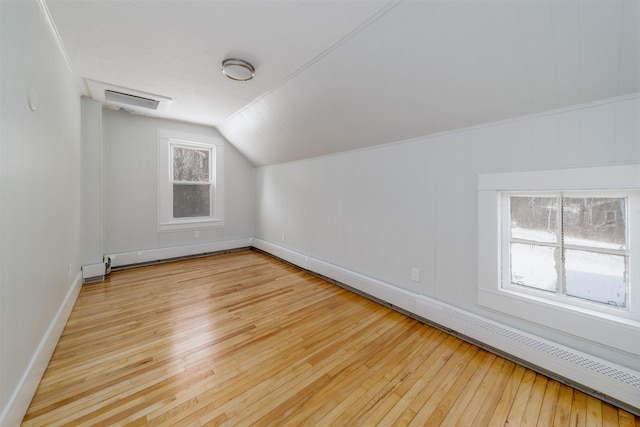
(521, 399)
(563, 407)
(594, 412)
(456, 403)
(549, 404)
(534, 403)
(424, 384)
(507, 395)
(245, 339)
(443, 390)
(462, 412)
(579, 409)
(481, 406)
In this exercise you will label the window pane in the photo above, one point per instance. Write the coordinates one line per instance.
(595, 222)
(595, 276)
(534, 218)
(190, 164)
(533, 266)
(191, 200)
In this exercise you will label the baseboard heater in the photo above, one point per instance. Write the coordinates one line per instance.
(592, 375)
(96, 272)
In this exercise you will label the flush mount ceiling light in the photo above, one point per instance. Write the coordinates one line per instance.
(237, 69)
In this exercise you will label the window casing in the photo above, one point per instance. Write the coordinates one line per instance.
(612, 325)
(190, 181)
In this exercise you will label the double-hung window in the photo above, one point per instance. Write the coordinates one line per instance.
(190, 181)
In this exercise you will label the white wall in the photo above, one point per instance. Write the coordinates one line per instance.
(39, 201)
(131, 190)
(382, 211)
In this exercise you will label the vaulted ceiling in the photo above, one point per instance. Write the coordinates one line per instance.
(333, 76)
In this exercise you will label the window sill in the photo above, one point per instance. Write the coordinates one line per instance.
(190, 224)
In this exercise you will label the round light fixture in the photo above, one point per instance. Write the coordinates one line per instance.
(237, 69)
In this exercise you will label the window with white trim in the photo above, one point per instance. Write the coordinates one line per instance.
(569, 246)
(190, 181)
(561, 249)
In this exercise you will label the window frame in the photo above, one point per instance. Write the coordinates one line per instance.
(614, 328)
(173, 144)
(167, 140)
(560, 293)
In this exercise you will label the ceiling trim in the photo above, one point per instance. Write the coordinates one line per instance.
(58, 39)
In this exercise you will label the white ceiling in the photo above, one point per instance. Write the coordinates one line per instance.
(339, 75)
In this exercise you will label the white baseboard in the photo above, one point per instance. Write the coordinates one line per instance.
(159, 254)
(393, 295)
(22, 395)
(601, 378)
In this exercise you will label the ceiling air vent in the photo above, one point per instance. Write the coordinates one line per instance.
(125, 98)
(129, 99)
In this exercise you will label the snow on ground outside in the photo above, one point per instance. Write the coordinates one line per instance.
(590, 275)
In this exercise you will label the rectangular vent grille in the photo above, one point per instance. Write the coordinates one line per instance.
(125, 98)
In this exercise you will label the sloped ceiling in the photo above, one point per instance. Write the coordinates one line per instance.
(333, 76)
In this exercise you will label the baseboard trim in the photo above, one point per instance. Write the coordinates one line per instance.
(597, 377)
(151, 256)
(383, 291)
(21, 398)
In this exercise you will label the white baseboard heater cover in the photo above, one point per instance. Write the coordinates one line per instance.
(606, 380)
(93, 272)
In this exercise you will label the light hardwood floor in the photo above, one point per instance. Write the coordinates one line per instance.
(244, 339)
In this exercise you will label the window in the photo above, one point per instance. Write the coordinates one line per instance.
(190, 181)
(561, 249)
(566, 245)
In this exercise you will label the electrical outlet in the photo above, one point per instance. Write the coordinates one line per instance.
(196, 234)
(284, 237)
(415, 274)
